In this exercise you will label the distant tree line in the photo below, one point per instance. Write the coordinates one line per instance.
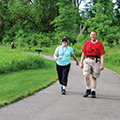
(44, 22)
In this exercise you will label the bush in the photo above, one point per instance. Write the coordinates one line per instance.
(56, 37)
(112, 56)
(17, 61)
(78, 53)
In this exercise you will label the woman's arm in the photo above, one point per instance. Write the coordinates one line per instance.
(74, 57)
(55, 56)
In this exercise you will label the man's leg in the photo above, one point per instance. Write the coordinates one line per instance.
(87, 83)
(95, 75)
(94, 84)
(86, 73)
(87, 80)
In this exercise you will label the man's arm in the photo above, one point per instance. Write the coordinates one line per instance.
(81, 62)
(102, 61)
(73, 55)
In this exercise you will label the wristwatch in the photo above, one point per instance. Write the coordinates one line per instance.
(77, 61)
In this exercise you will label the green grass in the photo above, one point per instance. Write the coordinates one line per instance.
(45, 50)
(112, 67)
(18, 85)
(15, 86)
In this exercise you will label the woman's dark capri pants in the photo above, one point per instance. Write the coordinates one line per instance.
(62, 72)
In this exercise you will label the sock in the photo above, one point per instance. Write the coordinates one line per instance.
(93, 89)
(64, 87)
(88, 87)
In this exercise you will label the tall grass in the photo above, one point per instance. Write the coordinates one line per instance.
(11, 60)
(112, 59)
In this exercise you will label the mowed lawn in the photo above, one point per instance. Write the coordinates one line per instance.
(18, 85)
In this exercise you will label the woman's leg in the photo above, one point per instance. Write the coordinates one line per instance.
(59, 72)
(65, 72)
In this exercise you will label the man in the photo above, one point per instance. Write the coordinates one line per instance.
(12, 45)
(93, 63)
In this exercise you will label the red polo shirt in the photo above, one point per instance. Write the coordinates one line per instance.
(95, 49)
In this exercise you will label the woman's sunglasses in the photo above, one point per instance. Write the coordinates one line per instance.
(64, 40)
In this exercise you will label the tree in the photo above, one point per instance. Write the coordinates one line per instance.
(117, 12)
(33, 15)
(1, 21)
(29, 16)
(118, 3)
(69, 18)
(4, 13)
(103, 22)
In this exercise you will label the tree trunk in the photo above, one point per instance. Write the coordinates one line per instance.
(82, 29)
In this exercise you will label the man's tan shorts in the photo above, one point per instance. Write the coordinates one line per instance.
(91, 67)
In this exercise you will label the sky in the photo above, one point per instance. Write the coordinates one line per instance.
(114, 1)
(82, 5)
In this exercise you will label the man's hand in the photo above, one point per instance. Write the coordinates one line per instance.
(101, 67)
(81, 65)
(82, 58)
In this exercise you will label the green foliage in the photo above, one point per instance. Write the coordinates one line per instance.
(4, 14)
(29, 39)
(43, 23)
(24, 39)
(69, 19)
(78, 46)
(33, 16)
(43, 40)
(1, 21)
(82, 38)
(78, 53)
(113, 57)
(27, 18)
(58, 36)
(13, 61)
(103, 22)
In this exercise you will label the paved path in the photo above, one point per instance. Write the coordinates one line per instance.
(49, 104)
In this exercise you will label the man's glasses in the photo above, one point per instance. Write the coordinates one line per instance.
(64, 40)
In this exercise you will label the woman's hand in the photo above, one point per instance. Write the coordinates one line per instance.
(55, 56)
(77, 63)
(74, 57)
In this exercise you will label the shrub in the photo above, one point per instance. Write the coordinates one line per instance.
(17, 61)
(112, 56)
(78, 53)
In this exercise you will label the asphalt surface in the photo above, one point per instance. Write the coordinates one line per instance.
(49, 104)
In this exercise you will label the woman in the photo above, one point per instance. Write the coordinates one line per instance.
(62, 56)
